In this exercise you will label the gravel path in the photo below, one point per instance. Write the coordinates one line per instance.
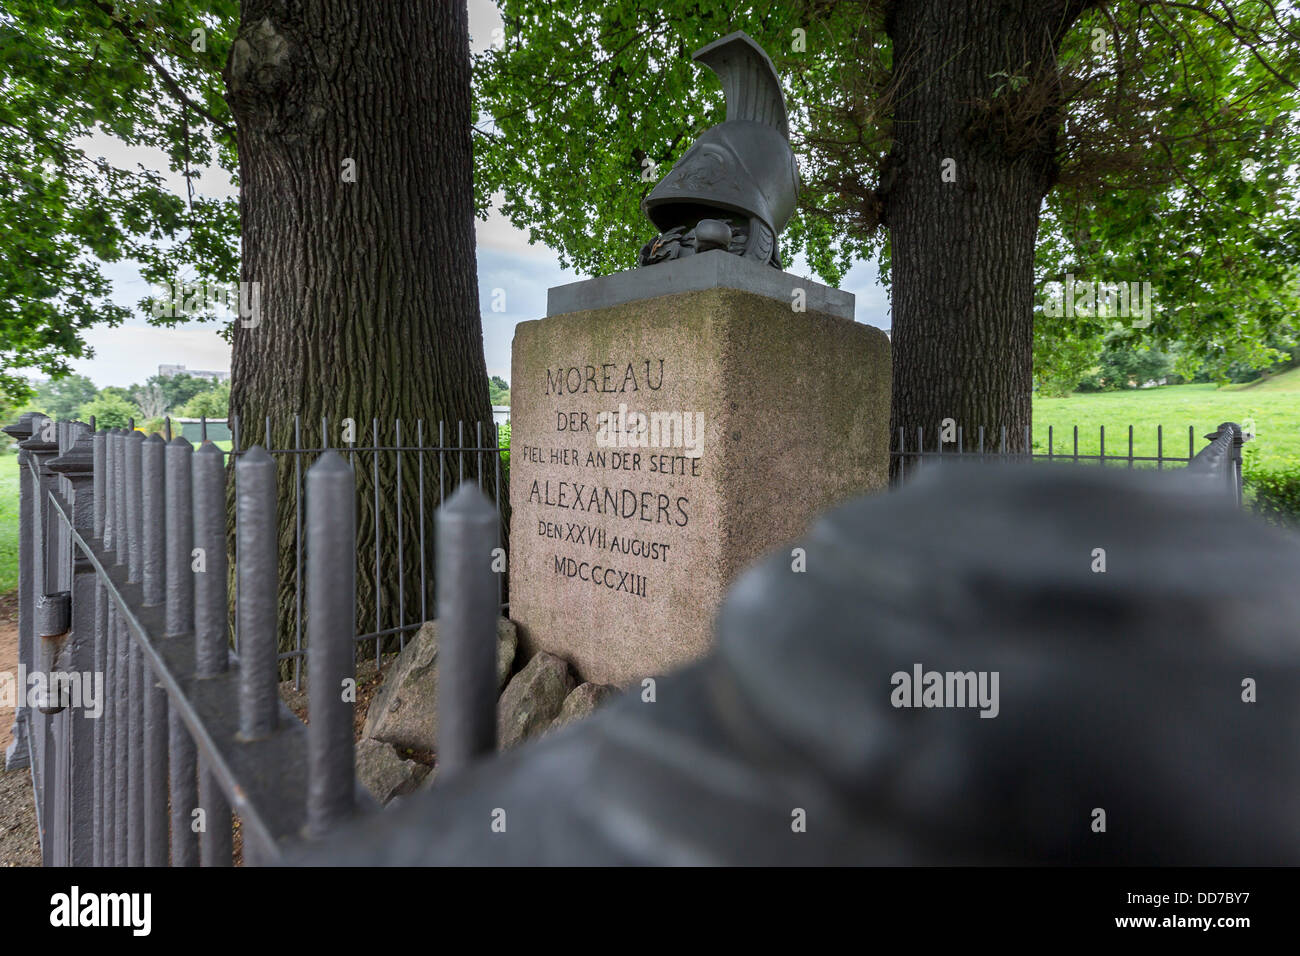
(8, 657)
(19, 843)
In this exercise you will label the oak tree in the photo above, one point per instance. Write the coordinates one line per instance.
(978, 150)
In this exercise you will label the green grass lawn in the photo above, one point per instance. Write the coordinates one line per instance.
(8, 521)
(1274, 405)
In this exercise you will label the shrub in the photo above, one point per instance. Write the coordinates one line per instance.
(210, 404)
(1091, 382)
(1275, 491)
(503, 441)
(110, 411)
(1122, 366)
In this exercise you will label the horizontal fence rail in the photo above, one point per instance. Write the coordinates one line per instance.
(146, 734)
(1220, 460)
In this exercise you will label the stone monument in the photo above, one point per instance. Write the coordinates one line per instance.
(672, 423)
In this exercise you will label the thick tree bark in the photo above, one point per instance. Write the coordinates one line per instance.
(369, 294)
(962, 252)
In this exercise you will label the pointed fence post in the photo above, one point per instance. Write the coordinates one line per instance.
(153, 573)
(76, 652)
(16, 756)
(211, 631)
(181, 753)
(258, 570)
(331, 622)
(468, 529)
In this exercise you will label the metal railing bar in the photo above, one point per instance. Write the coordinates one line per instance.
(297, 548)
(424, 586)
(374, 422)
(368, 448)
(204, 708)
(401, 554)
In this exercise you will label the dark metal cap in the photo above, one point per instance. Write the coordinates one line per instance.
(744, 165)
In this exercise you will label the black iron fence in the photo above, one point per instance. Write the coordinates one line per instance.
(143, 731)
(408, 471)
(912, 449)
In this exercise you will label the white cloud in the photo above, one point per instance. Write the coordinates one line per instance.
(212, 182)
(498, 234)
(129, 354)
(484, 17)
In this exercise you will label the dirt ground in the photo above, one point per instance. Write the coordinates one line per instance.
(19, 841)
(369, 679)
(8, 657)
(20, 844)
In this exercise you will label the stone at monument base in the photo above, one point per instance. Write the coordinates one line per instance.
(620, 554)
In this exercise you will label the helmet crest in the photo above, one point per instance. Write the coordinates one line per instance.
(738, 180)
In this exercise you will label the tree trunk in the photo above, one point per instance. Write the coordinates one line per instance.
(356, 201)
(962, 252)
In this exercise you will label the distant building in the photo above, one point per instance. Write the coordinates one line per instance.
(500, 415)
(170, 371)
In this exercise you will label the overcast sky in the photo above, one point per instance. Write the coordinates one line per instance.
(132, 352)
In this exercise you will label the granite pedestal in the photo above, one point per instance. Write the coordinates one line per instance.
(625, 533)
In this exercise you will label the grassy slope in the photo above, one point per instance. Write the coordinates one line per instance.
(1274, 405)
(1288, 381)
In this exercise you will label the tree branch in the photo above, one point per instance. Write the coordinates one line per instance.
(168, 80)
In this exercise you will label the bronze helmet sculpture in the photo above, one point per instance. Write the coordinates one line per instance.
(736, 187)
